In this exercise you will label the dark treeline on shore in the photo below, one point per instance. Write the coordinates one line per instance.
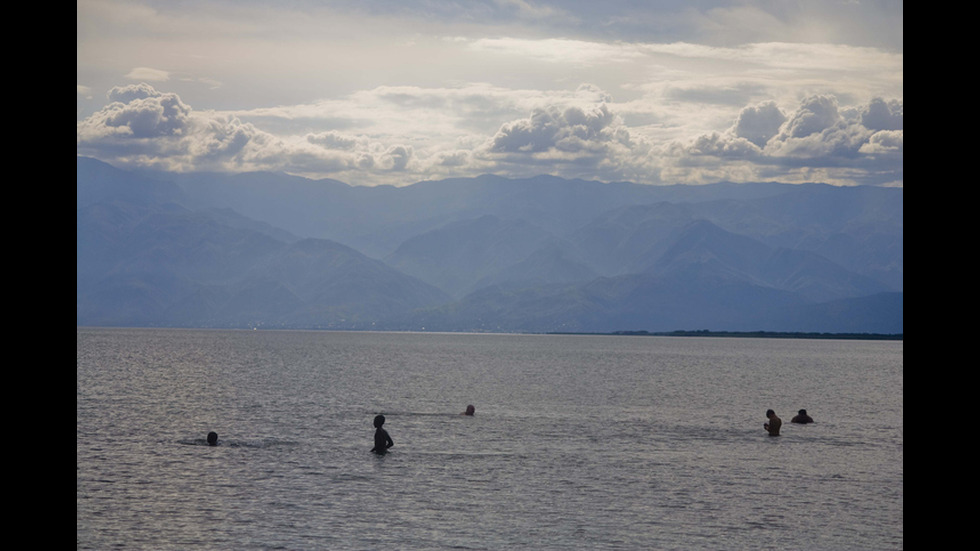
(762, 334)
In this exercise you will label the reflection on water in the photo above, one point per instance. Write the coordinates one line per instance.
(578, 442)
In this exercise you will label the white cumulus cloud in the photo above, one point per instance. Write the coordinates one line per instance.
(816, 140)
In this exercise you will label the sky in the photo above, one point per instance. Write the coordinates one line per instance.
(392, 92)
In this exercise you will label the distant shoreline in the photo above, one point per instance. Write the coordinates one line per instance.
(697, 333)
(753, 334)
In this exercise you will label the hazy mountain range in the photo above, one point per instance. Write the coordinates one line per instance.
(484, 254)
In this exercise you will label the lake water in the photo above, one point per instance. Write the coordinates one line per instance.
(578, 442)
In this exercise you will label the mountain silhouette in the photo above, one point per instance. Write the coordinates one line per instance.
(484, 254)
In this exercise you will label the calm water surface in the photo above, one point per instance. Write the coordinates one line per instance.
(578, 442)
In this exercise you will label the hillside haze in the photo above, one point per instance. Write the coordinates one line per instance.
(543, 254)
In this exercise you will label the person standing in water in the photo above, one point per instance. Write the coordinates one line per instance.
(801, 417)
(382, 441)
(774, 423)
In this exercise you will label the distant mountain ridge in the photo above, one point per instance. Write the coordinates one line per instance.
(484, 254)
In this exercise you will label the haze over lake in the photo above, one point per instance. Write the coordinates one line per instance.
(486, 254)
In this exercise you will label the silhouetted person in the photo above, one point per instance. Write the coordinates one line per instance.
(801, 417)
(212, 438)
(774, 423)
(470, 410)
(382, 441)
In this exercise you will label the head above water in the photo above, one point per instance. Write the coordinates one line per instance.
(770, 413)
(212, 438)
(470, 410)
(378, 421)
(802, 412)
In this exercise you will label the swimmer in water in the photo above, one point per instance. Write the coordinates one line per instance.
(774, 423)
(801, 417)
(212, 438)
(470, 410)
(382, 441)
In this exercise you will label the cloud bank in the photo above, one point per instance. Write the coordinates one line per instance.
(579, 135)
(375, 92)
